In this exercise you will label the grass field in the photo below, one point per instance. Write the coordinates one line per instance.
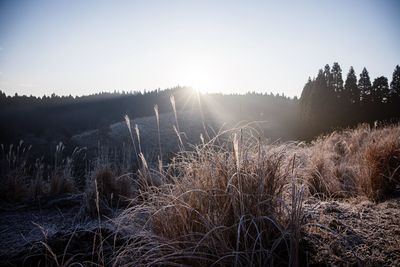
(235, 200)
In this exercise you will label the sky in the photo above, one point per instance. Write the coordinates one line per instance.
(81, 47)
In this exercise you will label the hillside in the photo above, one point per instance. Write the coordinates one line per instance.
(49, 120)
(191, 127)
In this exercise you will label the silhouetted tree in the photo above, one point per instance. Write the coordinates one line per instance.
(380, 90)
(305, 99)
(364, 85)
(337, 80)
(328, 75)
(395, 85)
(351, 90)
(322, 102)
(326, 104)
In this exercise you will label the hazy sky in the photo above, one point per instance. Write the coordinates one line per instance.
(82, 47)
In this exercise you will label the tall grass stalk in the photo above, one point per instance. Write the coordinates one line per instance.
(181, 145)
(100, 255)
(159, 134)
(172, 99)
(138, 137)
(128, 124)
(176, 126)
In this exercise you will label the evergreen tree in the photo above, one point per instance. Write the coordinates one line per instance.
(323, 84)
(395, 85)
(380, 90)
(351, 90)
(305, 94)
(322, 103)
(364, 85)
(328, 75)
(326, 103)
(305, 100)
(337, 80)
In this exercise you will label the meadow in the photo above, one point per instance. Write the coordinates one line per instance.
(233, 199)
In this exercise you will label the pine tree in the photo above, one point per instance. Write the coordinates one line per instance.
(305, 100)
(351, 90)
(380, 90)
(337, 80)
(364, 85)
(328, 75)
(322, 83)
(395, 84)
(305, 94)
(322, 102)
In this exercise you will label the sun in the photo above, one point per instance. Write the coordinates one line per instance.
(199, 77)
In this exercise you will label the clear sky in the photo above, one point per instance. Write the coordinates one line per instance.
(80, 47)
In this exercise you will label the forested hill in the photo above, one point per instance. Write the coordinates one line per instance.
(327, 102)
(57, 118)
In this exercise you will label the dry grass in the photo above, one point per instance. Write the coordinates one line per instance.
(328, 170)
(61, 180)
(382, 163)
(228, 203)
(240, 204)
(357, 162)
(106, 191)
(25, 179)
(13, 172)
(223, 208)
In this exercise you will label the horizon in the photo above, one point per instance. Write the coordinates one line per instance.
(227, 47)
(134, 92)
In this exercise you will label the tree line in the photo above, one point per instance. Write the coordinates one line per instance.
(328, 102)
(51, 119)
(57, 118)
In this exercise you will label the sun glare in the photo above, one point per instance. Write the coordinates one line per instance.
(199, 77)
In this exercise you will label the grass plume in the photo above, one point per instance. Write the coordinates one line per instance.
(159, 134)
(128, 124)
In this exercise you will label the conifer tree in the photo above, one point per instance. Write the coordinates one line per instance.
(337, 80)
(395, 85)
(328, 75)
(380, 90)
(351, 91)
(364, 85)
(322, 102)
(305, 100)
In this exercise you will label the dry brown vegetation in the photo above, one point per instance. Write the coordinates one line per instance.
(13, 172)
(242, 204)
(220, 207)
(106, 191)
(23, 181)
(239, 202)
(358, 162)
